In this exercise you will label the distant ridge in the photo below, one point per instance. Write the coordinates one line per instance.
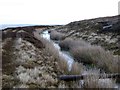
(3, 26)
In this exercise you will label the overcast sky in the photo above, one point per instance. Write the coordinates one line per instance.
(54, 11)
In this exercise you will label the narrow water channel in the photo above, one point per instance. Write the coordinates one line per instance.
(66, 55)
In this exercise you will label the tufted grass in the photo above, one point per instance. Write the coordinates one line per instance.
(98, 56)
(69, 43)
(54, 35)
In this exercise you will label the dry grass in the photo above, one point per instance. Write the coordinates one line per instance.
(54, 35)
(49, 47)
(109, 63)
(96, 55)
(113, 64)
(117, 60)
(77, 68)
(63, 65)
(66, 44)
(8, 66)
(93, 81)
(55, 53)
(69, 43)
(87, 55)
(83, 52)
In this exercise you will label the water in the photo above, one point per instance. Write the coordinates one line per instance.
(66, 55)
(46, 35)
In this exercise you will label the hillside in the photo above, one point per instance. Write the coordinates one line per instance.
(103, 31)
(25, 61)
(31, 61)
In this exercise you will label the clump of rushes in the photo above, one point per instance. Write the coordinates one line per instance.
(92, 81)
(87, 55)
(49, 47)
(96, 55)
(66, 44)
(63, 65)
(69, 43)
(77, 68)
(54, 35)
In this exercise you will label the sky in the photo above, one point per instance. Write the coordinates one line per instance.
(49, 12)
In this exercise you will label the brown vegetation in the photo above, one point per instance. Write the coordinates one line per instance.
(49, 60)
(7, 56)
(86, 55)
(69, 43)
(30, 38)
(54, 35)
(93, 81)
(96, 55)
(77, 68)
(8, 64)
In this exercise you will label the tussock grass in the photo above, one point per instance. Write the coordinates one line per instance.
(96, 55)
(63, 65)
(87, 55)
(66, 44)
(93, 81)
(117, 58)
(69, 43)
(83, 52)
(77, 68)
(109, 63)
(49, 47)
(54, 35)
(52, 50)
